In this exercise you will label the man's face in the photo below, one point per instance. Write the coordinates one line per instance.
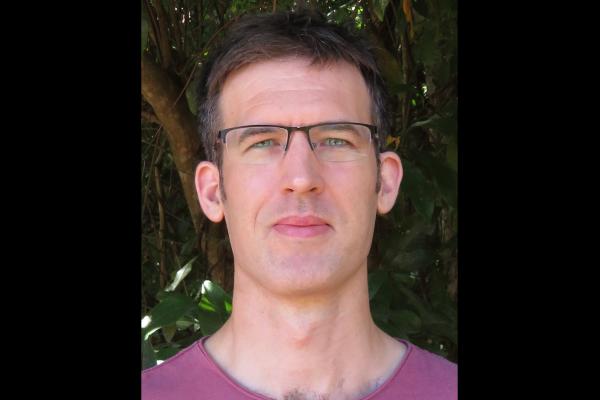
(299, 225)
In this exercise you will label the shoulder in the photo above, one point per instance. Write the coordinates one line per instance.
(425, 376)
(181, 373)
(432, 373)
(433, 365)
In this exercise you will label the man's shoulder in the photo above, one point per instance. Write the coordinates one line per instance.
(185, 372)
(424, 375)
(176, 363)
(432, 364)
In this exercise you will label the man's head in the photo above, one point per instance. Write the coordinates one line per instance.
(280, 35)
(299, 220)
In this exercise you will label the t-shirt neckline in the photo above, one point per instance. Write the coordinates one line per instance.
(251, 394)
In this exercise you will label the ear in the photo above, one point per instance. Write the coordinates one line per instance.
(390, 174)
(207, 188)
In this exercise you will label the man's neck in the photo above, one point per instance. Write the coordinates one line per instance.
(314, 347)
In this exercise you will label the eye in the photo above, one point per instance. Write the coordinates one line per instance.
(335, 142)
(263, 144)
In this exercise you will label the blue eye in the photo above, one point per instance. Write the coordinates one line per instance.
(263, 143)
(335, 142)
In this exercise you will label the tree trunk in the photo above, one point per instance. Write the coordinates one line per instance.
(161, 92)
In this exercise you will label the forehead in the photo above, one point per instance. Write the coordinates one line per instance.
(291, 91)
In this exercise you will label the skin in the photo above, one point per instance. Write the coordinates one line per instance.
(301, 327)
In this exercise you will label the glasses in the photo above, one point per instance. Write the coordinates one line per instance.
(330, 141)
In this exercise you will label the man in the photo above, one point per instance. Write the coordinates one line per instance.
(293, 120)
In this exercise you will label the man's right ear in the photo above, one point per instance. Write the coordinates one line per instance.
(209, 193)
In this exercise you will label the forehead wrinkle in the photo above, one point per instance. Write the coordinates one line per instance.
(287, 88)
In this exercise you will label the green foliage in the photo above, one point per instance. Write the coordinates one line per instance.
(182, 316)
(413, 260)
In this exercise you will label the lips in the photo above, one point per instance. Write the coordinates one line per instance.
(302, 226)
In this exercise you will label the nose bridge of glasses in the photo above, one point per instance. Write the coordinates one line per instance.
(292, 129)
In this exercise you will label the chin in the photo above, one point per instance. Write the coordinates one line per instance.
(307, 275)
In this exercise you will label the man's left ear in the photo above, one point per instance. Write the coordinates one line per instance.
(391, 175)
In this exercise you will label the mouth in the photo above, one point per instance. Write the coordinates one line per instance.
(302, 226)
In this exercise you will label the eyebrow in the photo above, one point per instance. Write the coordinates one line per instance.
(342, 127)
(255, 130)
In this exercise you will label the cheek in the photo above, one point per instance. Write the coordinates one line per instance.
(246, 191)
(354, 182)
(353, 192)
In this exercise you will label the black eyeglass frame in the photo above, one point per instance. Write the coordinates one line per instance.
(222, 134)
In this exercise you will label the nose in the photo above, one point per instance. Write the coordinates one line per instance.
(301, 172)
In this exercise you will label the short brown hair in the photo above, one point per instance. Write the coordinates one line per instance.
(305, 34)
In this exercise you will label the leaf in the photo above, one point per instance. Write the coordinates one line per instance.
(404, 278)
(390, 69)
(191, 96)
(420, 190)
(148, 357)
(169, 332)
(425, 49)
(209, 321)
(216, 297)
(376, 280)
(446, 125)
(412, 298)
(452, 153)
(442, 174)
(379, 7)
(420, 6)
(214, 307)
(412, 261)
(188, 246)
(407, 320)
(145, 29)
(180, 275)
(167, 352)
(380, 311)
(172, 308)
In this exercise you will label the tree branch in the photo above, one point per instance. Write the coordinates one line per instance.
(150, 117)
(161, 230)
(160, 91)
(163, 40)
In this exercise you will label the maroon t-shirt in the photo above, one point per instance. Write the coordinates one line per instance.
(192, 374)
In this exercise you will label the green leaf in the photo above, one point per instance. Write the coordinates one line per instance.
(169, 331)
(148, 357)
(426, 49)
(421, 7)
(390, 69)
(191, 96)
(145, 29)
(189, 246)
(172, 308)
(452, 153)
(442, 174)
(376, 280)
(379, 8)
(413, 260)
(380, 311)
(426, 122)
(214, 307)
(412, 298)
(407, 320)
(180, 275)
(446, 125)
(405, 278)
(215, 296)
(210, 322)
(167, 352)
(419, 189)
(184, 323)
